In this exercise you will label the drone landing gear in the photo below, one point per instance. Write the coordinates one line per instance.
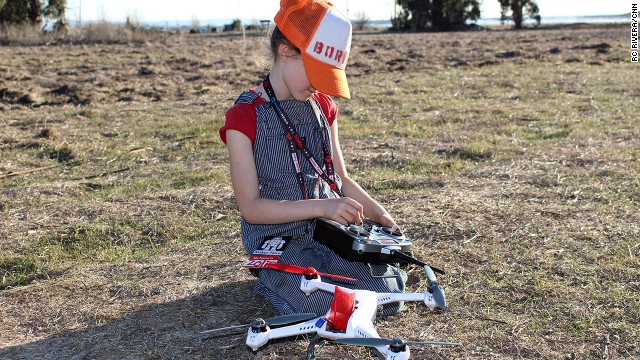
(312, 352)
(377, 353)
(317, 343)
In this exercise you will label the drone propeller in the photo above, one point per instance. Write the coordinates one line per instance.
(396, 342)
(436, 290)
(294, 269)
(275, 321)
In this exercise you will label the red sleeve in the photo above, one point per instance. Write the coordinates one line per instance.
(243, 118)
(329, 107)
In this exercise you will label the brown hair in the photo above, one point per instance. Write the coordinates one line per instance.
(276, 39)
(268, 52)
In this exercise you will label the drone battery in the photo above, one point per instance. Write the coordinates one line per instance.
(367, 243)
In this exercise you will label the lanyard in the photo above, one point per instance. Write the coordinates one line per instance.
(295, 142)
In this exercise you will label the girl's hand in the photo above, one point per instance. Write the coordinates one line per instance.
(386, 220)
(344, 210)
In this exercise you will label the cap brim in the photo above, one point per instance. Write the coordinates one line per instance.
(326, 78)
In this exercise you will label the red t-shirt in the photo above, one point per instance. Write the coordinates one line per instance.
(242, 117)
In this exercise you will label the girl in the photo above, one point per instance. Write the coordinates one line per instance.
(287, 168)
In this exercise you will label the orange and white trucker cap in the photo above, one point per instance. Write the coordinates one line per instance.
(323, 36)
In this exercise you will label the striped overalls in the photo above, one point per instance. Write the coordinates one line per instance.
(277, 181)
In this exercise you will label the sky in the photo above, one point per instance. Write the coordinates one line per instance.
(187, 10)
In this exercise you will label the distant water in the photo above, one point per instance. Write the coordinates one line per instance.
(565, 20)
(387, 23)
(599, 19)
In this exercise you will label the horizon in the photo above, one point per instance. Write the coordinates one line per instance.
(248, 11)
(223, 21)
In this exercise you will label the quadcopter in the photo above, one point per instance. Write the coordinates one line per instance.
(349, 319)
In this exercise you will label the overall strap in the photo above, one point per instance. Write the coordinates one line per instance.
(295, 142)
(247, 97)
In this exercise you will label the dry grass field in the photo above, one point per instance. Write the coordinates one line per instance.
(511, 158)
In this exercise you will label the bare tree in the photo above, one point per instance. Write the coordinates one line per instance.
(361, 20)
(133, 21)
(195, 23)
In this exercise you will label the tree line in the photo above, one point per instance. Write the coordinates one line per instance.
(447, 15)
(414, 15)
(32, 12)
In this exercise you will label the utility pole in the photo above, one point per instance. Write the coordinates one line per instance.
(347, 9)
(394, 9)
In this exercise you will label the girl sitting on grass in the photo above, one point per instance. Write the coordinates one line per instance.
(274, 135)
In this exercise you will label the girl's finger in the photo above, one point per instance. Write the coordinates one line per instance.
(358, 217)
(396, 228)
(351, 218)
(356, 204)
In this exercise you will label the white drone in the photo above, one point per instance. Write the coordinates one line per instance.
(348, 321)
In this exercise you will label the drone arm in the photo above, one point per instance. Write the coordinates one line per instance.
(255, 340)
(307, 327)
(309, 286)
(372, 333)
(425, 297)
(362, 329)
(395, 297)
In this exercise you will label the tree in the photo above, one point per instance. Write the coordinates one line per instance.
(361, 20)
(55, 9)
(518, 9)
(439, 15)
(31, 11)
(456, 13)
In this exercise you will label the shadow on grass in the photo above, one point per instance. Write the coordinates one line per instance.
(162, 331)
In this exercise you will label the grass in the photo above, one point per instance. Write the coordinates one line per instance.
(518, 177)
(92, 165)
(96, 33)
(128, 239)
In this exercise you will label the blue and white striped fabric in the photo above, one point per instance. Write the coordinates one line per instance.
(277, 180)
